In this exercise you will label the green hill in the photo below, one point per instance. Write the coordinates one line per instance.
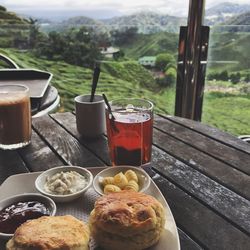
(7, 17)
(151, 45)
(130, 71)
(71, 80)
(232, 47)
(12, 28)
(223, 46)
(226, 43)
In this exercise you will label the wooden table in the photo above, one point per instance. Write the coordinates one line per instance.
(202, 172)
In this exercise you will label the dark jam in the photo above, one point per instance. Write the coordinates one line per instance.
(16, 214)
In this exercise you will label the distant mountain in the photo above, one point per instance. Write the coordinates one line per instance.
(242, 19)
(64, 13)
(82, 20)
(76, 21)
(147, 22)
(229, 8)
(224, 11)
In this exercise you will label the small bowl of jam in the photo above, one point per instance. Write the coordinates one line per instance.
(16, 210)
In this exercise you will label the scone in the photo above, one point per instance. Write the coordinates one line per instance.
(126, 220)
(50, 232)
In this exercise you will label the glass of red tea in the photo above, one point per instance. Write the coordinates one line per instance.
(129, 129)
(15, 116)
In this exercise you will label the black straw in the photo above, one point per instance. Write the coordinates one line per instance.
(110, 111)
(107, 103)
(94, 82)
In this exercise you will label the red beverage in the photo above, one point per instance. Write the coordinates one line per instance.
(130, 137)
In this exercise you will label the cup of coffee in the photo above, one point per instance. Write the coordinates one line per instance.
(15, 116)
(129, 129)
(90, 116)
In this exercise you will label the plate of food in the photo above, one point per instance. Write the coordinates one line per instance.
(117, 220)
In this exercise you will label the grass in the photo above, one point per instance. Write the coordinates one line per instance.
(228, 111)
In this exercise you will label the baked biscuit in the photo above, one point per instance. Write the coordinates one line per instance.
(127, 220)
(49, 233)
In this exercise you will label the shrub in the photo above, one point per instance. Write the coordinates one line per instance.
(162, 60)
(168, 80)
(235, 77)
(74, 46)
(2, 8)
(247, 78)
(171, 76)
(223, 75)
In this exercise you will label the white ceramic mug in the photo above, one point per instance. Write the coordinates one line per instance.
(90, 116)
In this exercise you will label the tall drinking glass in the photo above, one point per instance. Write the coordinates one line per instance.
(15, 116)
(129, 129)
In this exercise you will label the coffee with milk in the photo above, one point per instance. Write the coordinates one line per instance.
(15, 118)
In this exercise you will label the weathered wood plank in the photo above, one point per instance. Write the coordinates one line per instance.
(98, 146)
(2, 244)
(38, 156)
(232, 178)
(228, 204)
(212, 132)
(187, 243)
(228, 155)
(10, 164)
(66, 146)
(197, 220)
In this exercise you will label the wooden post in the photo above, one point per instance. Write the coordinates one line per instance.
(192, 60)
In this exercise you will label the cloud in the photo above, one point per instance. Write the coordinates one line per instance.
(86, 4)
(125, 7)
(171, 7)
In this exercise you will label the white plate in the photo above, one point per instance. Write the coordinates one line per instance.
(80, 208)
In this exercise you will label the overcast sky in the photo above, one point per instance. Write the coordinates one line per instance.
(105, 8)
